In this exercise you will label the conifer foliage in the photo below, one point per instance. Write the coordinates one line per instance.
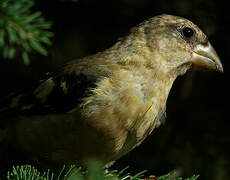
(22, 30)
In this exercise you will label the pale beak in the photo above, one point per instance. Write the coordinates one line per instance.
(204, 55)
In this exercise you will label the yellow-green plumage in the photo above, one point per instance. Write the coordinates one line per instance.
(102, 106)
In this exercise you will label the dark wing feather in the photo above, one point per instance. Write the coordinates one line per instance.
(59, 94)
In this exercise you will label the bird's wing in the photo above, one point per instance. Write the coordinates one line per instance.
(55, 95)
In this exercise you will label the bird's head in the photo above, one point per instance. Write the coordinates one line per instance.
(179, 44)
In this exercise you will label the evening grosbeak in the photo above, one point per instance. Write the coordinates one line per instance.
(104, 105)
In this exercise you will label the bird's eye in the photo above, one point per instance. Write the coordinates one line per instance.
(187, 32)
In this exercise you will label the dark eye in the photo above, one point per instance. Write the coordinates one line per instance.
(187, 32)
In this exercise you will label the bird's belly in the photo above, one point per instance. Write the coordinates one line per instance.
(68, 139)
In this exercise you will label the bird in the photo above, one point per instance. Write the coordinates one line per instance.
(104, 105)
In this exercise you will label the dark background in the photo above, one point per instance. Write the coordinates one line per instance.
(195, 138)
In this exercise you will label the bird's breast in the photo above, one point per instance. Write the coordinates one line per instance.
(126, 112)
